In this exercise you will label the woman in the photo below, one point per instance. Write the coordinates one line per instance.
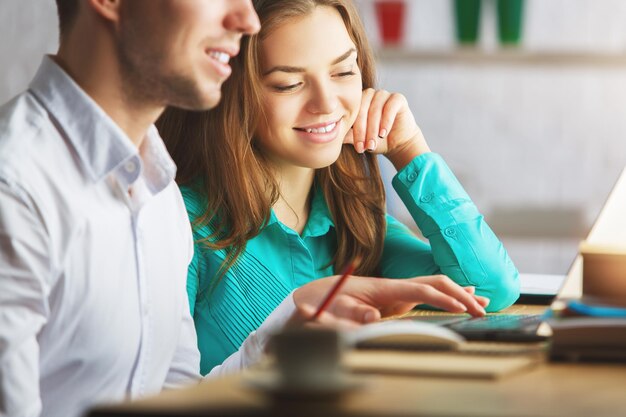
(282, 185)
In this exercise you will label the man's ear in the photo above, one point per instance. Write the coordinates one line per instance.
(108, 9)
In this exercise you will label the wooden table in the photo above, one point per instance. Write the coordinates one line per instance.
(548, 389)
(585, 390)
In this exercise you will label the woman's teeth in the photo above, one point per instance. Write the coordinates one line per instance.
(323, 129)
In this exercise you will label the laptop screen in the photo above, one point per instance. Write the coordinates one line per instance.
(609, 228)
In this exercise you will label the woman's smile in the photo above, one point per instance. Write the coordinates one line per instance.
(320, 132)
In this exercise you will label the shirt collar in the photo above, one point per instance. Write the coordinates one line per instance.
(100, 144)
(320, 220)
(160, 169)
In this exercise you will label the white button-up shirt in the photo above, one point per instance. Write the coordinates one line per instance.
(94, 248)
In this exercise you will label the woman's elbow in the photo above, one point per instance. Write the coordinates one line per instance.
(504, 288)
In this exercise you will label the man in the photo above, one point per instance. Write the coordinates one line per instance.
(94, 238)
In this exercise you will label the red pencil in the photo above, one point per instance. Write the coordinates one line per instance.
(348, 270)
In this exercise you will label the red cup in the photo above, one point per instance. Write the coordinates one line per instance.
(390, 16)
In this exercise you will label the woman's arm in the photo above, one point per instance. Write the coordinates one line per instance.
(462, 246)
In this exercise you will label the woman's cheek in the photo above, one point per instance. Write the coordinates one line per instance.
(353, 106)
(277, 111)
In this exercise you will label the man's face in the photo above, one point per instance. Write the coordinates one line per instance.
(176, 52)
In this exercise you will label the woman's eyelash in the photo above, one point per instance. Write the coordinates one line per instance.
(286, 87)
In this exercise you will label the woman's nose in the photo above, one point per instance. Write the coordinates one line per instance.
(323, 100)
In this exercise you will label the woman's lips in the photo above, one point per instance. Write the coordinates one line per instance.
(321, 132)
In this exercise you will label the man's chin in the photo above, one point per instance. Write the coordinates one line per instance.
(211, 100)
(198, 102)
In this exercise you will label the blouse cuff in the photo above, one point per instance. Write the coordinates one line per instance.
(433, 195)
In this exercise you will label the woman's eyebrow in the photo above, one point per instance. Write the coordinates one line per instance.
(290, 69)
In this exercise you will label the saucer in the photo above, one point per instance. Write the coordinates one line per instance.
(271, 384)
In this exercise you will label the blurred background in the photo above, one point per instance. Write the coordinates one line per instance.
(524, 100)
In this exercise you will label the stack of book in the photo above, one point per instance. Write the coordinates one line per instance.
(589, 329)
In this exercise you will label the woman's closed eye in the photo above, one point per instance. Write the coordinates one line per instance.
(286, 88)
(346, 74)
(291, 87)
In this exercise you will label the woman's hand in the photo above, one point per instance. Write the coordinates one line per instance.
(386, 125)
(365, 299)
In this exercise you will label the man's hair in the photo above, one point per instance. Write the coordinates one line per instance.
(67, 10)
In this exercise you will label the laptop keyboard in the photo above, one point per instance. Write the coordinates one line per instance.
(499, 322)
(503, 327)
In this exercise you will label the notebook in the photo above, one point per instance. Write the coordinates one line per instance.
(524, 327)
(439, 364)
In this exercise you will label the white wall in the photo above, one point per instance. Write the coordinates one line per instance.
(28, 29)
(518, 137)
(549, 24)
(522, 138)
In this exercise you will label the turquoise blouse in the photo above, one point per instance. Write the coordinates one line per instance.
(278, 260)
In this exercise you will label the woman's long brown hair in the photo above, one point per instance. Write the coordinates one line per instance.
(215, 153)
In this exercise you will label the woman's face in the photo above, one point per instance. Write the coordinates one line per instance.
(311, 90)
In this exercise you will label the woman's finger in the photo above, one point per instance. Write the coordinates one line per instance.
(470, 289)
(483, 301)
(375, 112)
(449, 287)
(359, 128)
(428, 294)
(350, 308)
(393, 105)
(303, 316)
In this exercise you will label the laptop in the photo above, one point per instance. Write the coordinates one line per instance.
(607, 229)
(539, 289)
(493, 327)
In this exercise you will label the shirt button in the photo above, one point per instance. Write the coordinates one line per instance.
(412, 176)
(450, 232)
(130, 167)
(426, 198)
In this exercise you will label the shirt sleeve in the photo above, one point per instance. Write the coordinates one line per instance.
(253, 347)
(461, 244)
(24, 290)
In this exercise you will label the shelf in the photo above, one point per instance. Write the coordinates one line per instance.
(516, 57)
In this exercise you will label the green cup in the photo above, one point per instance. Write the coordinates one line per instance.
(510, 20)
(467, 20)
